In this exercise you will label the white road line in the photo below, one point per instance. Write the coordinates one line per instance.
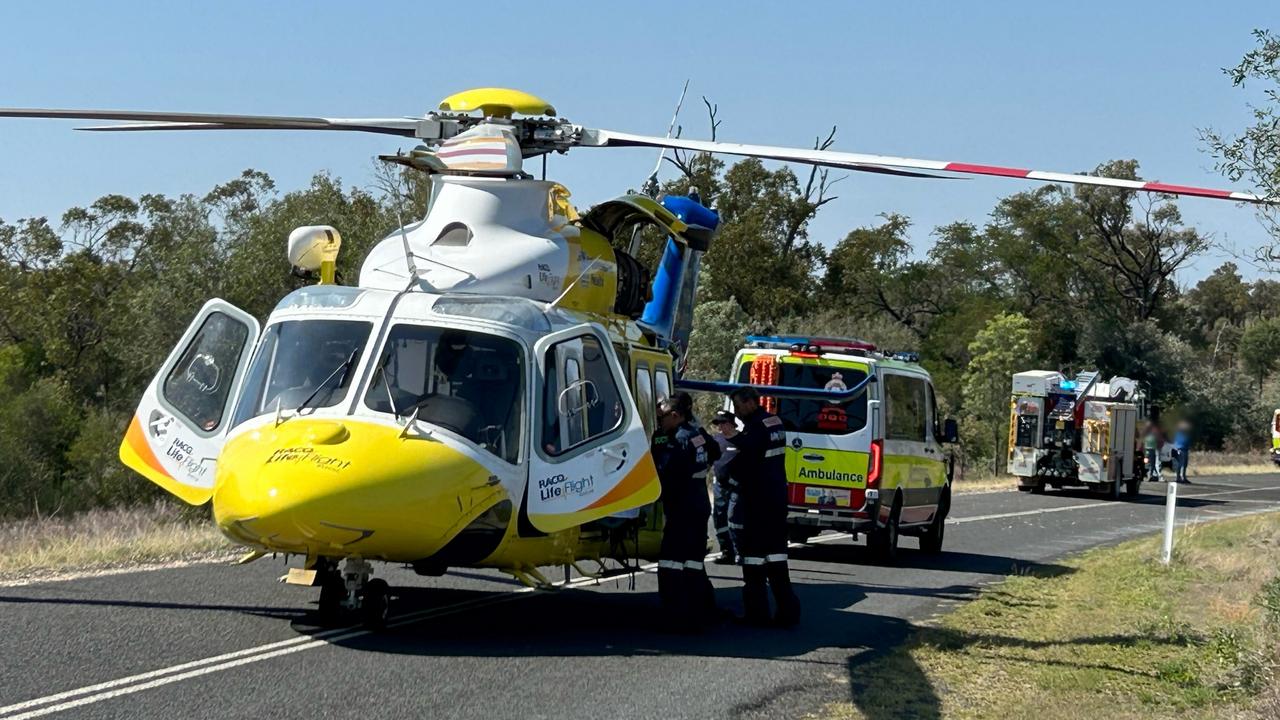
(223, 559)
(196, 668)
(1108, 503)
(164, 676)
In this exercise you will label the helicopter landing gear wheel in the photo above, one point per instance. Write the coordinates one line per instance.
(375, 604)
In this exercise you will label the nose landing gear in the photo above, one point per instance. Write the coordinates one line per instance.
(352, 591)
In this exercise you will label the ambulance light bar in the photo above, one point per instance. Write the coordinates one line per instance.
(778, 391)
(810, 345)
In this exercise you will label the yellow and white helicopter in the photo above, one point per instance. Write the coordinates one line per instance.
(484, 396)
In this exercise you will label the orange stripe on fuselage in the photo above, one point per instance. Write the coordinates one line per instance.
(138, 443)
(642, 474)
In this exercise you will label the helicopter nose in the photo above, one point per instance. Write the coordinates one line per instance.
(337, 488)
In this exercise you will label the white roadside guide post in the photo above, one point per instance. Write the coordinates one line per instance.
(1170, 503)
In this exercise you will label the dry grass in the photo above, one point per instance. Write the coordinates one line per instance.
(103, 539)
(978, 478)
(1111, 633)
(1206, 464)
(984, 483)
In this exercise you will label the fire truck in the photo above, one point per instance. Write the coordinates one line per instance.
(1079, 431)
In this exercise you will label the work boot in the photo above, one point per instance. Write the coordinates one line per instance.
(755, 595)
(783, 595)
(702, 596)
(726, 558)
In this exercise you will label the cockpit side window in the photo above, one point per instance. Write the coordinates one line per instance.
(299, 363)
(468, 383)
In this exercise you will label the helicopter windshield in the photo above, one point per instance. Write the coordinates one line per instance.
(301, 362)
(469, 383)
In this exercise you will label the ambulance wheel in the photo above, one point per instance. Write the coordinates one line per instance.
(376, 604)
(883, 541)
(1038, 488)
(931, 538)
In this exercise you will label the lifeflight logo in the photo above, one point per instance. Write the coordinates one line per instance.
(558, 486)
(830, 475)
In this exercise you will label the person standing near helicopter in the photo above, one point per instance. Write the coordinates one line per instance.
(760, 469)
(724, 512)
(683, 453)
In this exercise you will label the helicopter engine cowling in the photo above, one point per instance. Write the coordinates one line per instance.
(675, 284)
(498, 237)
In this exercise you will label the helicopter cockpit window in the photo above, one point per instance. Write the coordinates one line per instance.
(199, 384)
(302, 364)
(581, 400)
(468, 383)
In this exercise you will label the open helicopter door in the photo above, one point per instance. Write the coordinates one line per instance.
(178, 430)
(591, 455)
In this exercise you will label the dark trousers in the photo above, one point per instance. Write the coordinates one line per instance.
(1180, 458)
(763, 545)
(722, 517)
(684, 590)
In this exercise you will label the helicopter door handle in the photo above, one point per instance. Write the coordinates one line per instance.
(619, 455)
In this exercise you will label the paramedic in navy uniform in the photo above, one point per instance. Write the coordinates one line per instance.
(760, 471)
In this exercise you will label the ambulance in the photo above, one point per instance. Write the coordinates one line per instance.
(873, 465)
(1275, 437)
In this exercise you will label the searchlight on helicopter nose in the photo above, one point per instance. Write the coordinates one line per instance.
(315, 248)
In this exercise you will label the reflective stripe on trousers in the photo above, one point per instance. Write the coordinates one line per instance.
(774, 558)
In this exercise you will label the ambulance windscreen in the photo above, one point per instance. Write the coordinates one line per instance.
(818, 416)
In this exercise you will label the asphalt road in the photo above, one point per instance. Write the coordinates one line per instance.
(231, 642)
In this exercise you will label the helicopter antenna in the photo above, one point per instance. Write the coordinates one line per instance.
(651, 185)
(571, 285)
(404, 240)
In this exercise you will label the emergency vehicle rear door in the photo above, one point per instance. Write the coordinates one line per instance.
(912, 461)
(591, 452)
(181, 422)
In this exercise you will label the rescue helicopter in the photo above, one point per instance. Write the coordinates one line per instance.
(484, 395)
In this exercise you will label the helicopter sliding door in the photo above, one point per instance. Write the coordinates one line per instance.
(591, 456)
(178, 430)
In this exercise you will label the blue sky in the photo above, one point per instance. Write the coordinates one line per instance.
(1051, 86)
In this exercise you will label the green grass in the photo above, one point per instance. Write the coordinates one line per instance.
(101, 539)
(1114, 634)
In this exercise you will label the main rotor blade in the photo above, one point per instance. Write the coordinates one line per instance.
(865, 162)
(148, 120)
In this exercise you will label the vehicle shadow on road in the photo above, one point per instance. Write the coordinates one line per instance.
(947, 560)
(1185, 499)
